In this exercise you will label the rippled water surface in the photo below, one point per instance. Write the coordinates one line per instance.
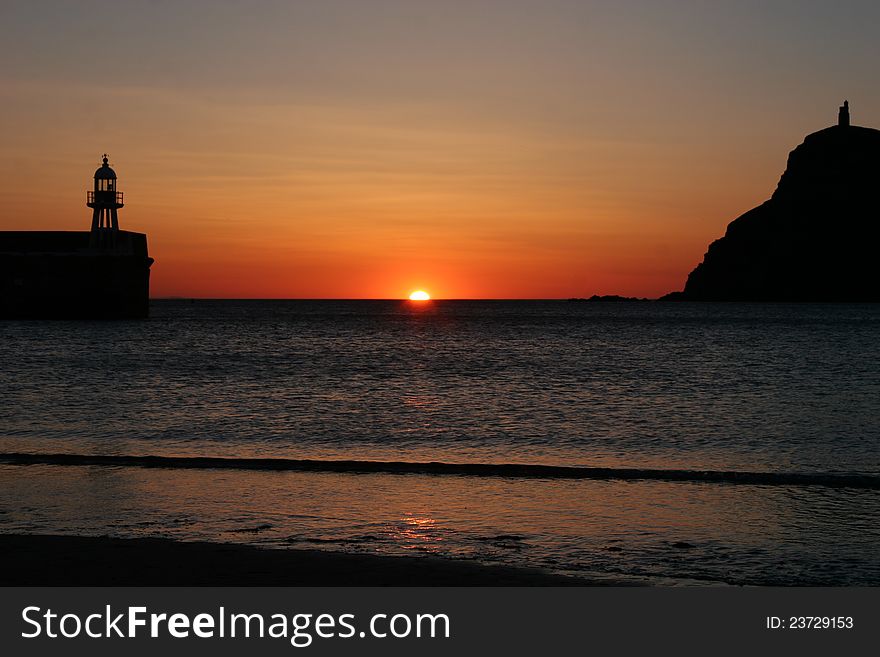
(783, 388)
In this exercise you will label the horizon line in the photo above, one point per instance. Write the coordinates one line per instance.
(185, 298)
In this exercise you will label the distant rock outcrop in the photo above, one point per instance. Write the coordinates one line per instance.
(816, 239)
(608, 298)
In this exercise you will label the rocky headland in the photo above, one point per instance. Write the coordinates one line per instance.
(815, 239)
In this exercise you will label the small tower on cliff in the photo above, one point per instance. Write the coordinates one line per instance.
(843, 115)
(105, 201)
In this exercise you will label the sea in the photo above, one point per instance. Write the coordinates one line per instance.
(769, 416)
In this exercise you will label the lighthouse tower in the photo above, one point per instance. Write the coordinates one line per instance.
(105, 201)
(843, 115)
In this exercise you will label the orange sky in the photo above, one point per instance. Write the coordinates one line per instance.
(323, 150)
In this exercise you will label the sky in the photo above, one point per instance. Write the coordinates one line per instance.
(367, 148)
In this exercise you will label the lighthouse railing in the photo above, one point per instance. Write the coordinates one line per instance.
(90, 197)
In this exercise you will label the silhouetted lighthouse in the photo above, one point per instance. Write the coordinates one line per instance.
(65, 274)
(106, 201)
(843, 114)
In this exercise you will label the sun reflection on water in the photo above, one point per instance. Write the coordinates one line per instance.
(418, 532)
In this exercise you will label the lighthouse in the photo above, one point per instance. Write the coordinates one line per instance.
(104, 200)
(843, 115)
(102, 273)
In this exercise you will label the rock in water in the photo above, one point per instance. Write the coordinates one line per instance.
(815, 239)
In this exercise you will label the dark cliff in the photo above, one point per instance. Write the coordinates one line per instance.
(815, 239)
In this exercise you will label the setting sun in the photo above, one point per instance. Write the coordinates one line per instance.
(419, 295)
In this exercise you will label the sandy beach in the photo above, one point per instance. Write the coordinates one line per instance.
(50, 560)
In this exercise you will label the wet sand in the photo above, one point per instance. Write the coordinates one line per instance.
(48, 560)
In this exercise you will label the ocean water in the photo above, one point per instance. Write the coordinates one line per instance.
(725, 387)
